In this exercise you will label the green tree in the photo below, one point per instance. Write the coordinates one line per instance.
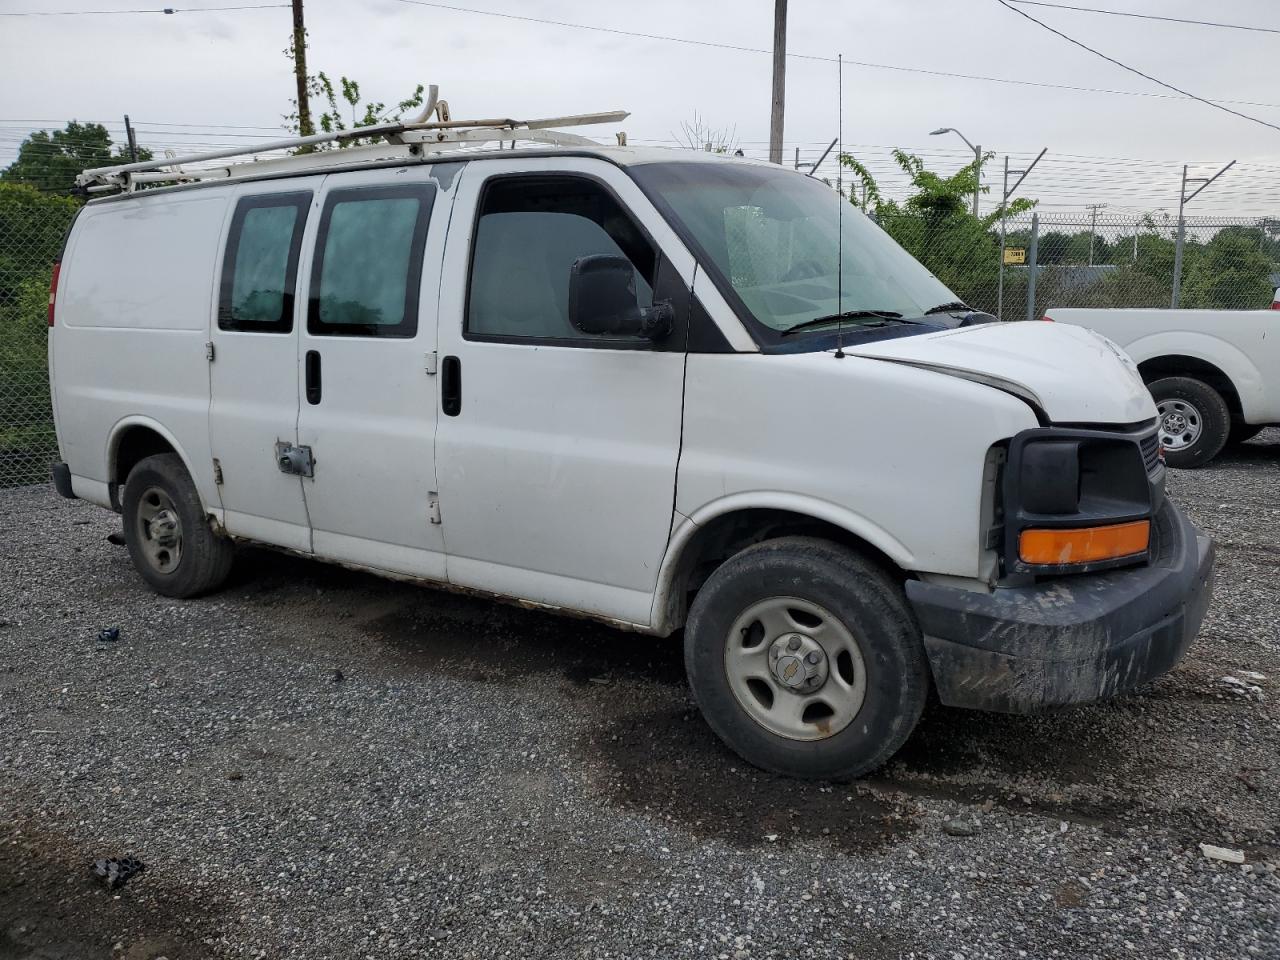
(1229, 273)
(934, 224)
(50, 161)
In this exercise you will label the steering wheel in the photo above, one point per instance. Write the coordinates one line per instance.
(803, 270)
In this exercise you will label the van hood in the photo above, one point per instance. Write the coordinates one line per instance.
(1071, 374)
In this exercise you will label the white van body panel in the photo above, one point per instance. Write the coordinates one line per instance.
(253, 399)
(1043, 358)
(373, 432)
(1243, 344)
(133, 312)
(815, 434)
(556, 478)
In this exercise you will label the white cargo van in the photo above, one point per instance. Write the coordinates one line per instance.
(661, 389)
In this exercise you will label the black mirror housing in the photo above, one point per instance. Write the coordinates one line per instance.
(603, 301)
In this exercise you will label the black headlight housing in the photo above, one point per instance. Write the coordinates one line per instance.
(1069, 478)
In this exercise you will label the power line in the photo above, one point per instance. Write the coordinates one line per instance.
(1168, 86)
(809, 56)
(1146, 16)
(164, 10)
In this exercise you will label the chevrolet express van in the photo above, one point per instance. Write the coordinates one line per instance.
(669, 391)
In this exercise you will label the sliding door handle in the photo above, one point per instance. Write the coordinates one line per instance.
(451, 386)
(313, 376)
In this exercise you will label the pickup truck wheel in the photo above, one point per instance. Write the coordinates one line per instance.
(805, 659)
(1194, 420)
(169, 537)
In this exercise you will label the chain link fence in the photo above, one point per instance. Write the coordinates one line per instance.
(1079, 261)
(1096, 261)
(32, 227)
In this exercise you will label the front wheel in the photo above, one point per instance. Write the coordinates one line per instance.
(169, 537)
(1193, 420)
(805, 659)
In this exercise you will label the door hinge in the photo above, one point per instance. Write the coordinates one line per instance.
(208, 350)
(430, 364)
(295, 459)
(433, 507)
(217, 472)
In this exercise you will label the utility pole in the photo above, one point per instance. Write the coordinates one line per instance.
(1183, 200)
(305, 129)
(1004, 200)
(1093, 225)
(133, 141)
(779, 77)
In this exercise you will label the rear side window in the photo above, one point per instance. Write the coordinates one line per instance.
(368, 262)
(260, 270)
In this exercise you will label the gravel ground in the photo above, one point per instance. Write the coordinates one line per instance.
(315, 763)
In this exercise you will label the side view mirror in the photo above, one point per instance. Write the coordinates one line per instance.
(603, 301)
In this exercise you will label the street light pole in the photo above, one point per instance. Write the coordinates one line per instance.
(977, 162)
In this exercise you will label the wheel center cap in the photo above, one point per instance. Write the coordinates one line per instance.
(798, 662)
(1175, 423)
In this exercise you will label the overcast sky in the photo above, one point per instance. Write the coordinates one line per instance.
(204, 70)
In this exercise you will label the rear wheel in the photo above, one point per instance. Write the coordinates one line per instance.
(806, 660)
(168, 535)
(1194, 420)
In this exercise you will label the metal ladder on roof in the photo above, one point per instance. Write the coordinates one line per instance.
(406, 139)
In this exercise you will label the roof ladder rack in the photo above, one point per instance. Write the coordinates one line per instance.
(409, 138)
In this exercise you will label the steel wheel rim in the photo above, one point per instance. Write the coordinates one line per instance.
(1180, 423)
(159, 530)
(808, 700)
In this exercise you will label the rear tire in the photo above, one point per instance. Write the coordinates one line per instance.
(806, 660)
(1193, 420)
(168, 534)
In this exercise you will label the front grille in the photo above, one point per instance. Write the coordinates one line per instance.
(1150, 446)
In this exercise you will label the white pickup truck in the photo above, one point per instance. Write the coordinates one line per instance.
(1214, 374)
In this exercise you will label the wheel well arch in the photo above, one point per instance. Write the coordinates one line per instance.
(131, 442)
(724, 535)
(1177, 365)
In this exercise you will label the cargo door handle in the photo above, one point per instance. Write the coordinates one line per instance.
(313, 376)
(451, 386)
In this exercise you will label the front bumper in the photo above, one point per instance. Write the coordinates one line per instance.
(1072, 639)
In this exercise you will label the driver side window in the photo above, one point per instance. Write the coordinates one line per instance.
(529, 233)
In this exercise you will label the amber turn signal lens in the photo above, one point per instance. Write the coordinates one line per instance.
(1084, 544)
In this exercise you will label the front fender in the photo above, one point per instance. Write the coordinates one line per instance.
(663, 616)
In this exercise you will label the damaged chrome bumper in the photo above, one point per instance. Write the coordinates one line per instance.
(1072, 639)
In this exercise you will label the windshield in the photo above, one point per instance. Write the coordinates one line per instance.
(773, 236)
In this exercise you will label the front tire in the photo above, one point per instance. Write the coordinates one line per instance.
(806, 659)
(168, 535)
(1193, 420)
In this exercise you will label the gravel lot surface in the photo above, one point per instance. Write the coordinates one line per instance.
(316, 763)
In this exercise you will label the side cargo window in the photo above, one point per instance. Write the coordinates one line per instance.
(260, 269)
(529, 232)
(368, 262)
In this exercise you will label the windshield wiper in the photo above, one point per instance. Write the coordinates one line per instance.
(884, 315)
(955, 306)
